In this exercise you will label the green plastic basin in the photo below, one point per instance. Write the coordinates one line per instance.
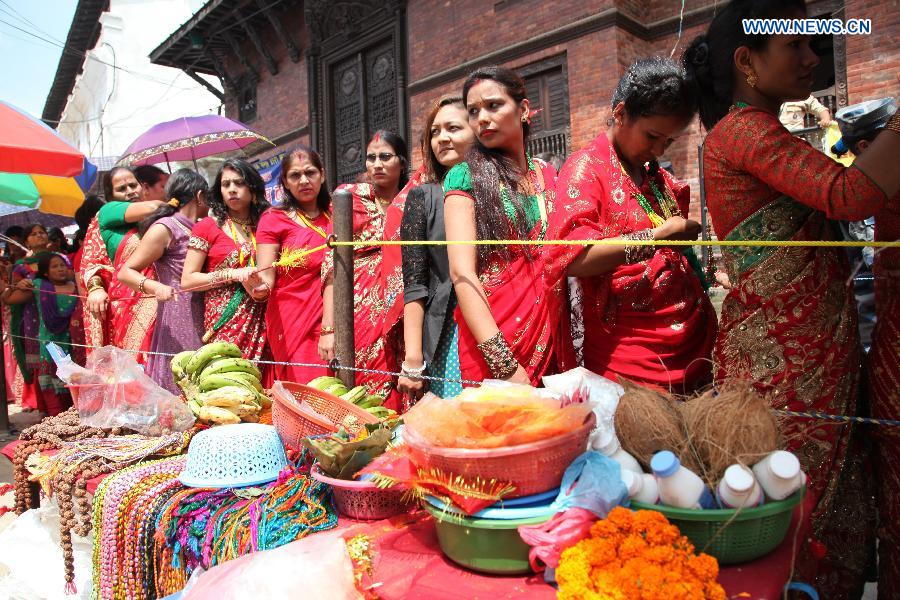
(485, 545)
(732, 536)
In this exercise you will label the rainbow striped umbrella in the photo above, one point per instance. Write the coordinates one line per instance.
(39, 169)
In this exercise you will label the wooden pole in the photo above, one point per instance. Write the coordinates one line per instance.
(344, 342)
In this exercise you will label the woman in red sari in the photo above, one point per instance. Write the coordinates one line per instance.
(858, 133)
(510, 315)
(114, 314)
(789, 323)
(302, 222)
(386, 168)
(646, 314)
(221, 260)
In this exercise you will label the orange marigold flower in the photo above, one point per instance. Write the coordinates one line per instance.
(636, 556)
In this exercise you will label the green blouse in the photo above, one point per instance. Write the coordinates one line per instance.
(459, 179)
(113, 227)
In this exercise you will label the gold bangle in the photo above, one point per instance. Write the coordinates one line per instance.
(141, 285)
(326, 330)
(636, 254)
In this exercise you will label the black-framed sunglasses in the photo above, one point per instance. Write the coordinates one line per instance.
(382, 156)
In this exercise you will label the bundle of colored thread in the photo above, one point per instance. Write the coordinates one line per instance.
(202, 527)
(125, 510)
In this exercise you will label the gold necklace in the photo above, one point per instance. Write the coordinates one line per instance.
(307, 221)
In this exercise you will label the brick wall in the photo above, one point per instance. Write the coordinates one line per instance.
(282, 103)
(872, 59)
(444, 33)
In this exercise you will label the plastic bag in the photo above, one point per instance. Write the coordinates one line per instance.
(125, 396)
(601, 393)
(31, 559)
(593, 482)
(549, 539)
(492, 416)
(318, 565)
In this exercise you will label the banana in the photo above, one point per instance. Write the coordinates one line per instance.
(245, 410)
(251, 418)
(195, 407)
(229, 365)
(179, 361)
(370, 401)
(227, 397)
(379, 411)
(220, 380)
(250, 378)
(264, 400)
(215, 414)
(206, 353)
(320, 383)
(355, 395)
(336, 389)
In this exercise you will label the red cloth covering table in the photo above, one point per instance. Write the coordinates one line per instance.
(408, 563)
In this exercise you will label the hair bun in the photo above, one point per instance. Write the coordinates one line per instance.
(700, 55)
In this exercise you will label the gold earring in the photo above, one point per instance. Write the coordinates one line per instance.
(752, 79)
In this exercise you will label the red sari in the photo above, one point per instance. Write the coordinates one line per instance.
(128, 322)
(652, 321)
(884, 377)
(789, 324)
(392, 272)
(294, 312)
(527, 305)
(369, 295)
(230, 314)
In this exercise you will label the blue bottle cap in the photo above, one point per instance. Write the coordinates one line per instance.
(664, 464)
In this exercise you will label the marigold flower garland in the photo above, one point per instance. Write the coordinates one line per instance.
(636, 556)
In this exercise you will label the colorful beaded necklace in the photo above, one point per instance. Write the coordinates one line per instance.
(667, 204)
(539, 197)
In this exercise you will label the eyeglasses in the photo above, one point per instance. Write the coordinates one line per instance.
(382, 156)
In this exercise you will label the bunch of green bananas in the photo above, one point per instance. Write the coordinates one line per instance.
(220, 385)
(358, 395)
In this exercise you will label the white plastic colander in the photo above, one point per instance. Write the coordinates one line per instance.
(234, 456)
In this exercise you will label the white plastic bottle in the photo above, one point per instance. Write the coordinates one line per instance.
(641, 486)
(678, 486)
(608, 445)
(779, 475)
(739, 489)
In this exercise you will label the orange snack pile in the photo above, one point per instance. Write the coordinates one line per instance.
(492, 417)
(636, 556)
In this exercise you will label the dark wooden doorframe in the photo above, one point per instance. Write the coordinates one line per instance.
(338, 30)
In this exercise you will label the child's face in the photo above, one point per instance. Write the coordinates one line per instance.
(58, 271)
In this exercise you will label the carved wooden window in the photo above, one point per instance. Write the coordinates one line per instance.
(364, 100)
(546, 84)
(247, 100)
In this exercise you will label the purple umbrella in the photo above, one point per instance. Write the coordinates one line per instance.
(190, 138)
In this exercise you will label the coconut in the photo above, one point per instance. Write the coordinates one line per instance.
(727, 425)
(648, 421)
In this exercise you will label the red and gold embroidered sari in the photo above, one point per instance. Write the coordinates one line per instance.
(230, 314)
(650, 322)
(369, 305)
(789, 324)
(128, 322)
(884, 378)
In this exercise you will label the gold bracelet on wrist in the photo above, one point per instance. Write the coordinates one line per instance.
(499, 356)
(636, 254)
(326, 330)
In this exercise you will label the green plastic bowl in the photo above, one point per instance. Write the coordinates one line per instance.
(732, 536)
(485, 545)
